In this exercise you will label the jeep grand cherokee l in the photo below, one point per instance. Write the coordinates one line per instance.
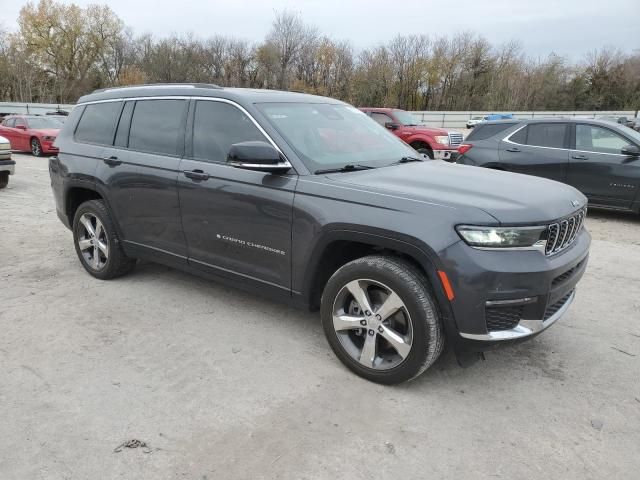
(307, 199)
(599, 158)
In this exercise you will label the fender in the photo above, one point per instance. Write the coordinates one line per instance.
(419, 251)
(421, 137)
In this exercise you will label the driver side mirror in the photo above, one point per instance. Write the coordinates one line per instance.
(631, 151)
(391, 125)
(257, 155)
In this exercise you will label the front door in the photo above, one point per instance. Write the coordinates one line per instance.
(598, 168)
(236, 222)
(537, 149)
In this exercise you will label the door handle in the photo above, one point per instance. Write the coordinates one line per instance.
(513, 150)
(579, 157)
(196, 175)
(112, 161)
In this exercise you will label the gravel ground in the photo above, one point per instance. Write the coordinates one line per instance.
(222, 385)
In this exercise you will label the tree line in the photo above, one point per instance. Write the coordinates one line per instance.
(62, 51)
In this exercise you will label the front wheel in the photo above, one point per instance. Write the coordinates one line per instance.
(427, 151)
(381, 320)
(4, 179)
(36, 147)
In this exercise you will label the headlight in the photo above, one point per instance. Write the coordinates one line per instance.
(49, 138)
(502, 237)
(442, 139)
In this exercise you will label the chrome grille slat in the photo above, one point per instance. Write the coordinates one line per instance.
(455, 139)
(564, 232)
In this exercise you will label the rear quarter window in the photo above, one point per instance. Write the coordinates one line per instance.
(482, 132)
(98, 122)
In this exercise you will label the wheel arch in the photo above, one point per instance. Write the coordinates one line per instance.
(342, 245)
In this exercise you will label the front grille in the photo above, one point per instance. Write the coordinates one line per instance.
(455, 139)
(553, 309)
(562, 234)
(502, 318)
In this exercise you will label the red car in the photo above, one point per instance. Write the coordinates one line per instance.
(31, 133)
(435, 142)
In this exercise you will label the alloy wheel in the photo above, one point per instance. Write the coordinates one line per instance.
(35, 147)
(93, 241)
(372, 324)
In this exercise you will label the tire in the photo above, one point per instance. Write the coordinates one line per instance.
(427, 151)
(105, 258)
(36, 147)
(417, 322)
(4, 179)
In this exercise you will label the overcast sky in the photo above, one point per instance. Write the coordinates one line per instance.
(566, 27)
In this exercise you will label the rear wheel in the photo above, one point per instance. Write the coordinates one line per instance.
(380, 319)
(97, 243)
(4, 179)
(36, 147)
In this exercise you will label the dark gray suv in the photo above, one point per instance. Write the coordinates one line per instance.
(598, 157)
(307, 199)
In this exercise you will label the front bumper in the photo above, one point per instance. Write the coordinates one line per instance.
(503, 296)
(8, 166)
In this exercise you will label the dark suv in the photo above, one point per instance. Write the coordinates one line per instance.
(308, 199)
(598, 157)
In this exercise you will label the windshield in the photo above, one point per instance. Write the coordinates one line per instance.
(406, 118)
(332, 136)
(44, 122)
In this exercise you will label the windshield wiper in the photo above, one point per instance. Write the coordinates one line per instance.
(346, 168)
(408, 160)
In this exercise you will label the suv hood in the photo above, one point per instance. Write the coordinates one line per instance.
(510, 198)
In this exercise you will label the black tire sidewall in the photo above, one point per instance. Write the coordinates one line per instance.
(418, 312)
(4, 179)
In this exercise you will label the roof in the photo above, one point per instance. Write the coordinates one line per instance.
(240, 95)
(594, 121)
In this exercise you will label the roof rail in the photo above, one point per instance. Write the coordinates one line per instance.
(161, 85)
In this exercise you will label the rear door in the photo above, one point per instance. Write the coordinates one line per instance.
(237, 222)
(539, 149)
(599, 169)
(140, 173)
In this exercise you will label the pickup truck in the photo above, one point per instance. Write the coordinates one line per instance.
(7, 165)
(436, 143)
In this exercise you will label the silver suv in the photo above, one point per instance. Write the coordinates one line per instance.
(7, 166)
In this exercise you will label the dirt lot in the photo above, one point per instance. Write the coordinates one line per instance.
(223, 385)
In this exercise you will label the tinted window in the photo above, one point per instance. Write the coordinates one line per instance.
(381, 118)
(97, 123)
(20, 122)
(156, 126)
(9, 122)
(546, 134)
(597, 139)
(520, 136)
(122, 132)
(217, 126)
(482, 132)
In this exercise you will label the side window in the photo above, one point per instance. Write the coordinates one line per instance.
(546, 134)
(97, 123)
(597, 139)
(20, 122)
(156, 126)
(9, 122)
(520, 136)
(217, 126)
(381, 118)
(482, 132)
